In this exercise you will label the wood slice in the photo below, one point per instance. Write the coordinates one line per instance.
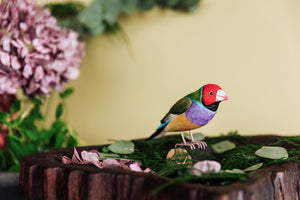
(43, 176)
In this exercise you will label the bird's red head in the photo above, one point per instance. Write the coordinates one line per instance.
(212, 93)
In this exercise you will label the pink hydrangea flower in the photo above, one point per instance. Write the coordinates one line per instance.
(35, 52)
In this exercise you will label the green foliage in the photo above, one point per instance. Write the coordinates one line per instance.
(103, 15)
(67, 9)
(27, 136)
(16, 106)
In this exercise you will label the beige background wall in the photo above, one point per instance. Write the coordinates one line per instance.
(250, 48)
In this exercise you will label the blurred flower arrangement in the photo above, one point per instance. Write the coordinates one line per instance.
(40, 51)
(36, 55)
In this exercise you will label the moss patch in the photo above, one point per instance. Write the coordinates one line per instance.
(153, 155)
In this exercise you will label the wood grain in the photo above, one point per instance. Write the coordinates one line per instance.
(43, 176)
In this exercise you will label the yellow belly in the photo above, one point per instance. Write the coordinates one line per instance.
(181, 123)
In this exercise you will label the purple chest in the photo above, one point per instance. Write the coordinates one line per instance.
(198, 114)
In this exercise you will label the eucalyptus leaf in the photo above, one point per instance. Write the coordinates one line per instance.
(111, 10)
(91, 17)
(145, 5)
(128, 6)
(223, 146)
(96, 30)
(197, 136)
(253, 167)
(168, 3)
(122, 147)
(16, 106)
(272, 152)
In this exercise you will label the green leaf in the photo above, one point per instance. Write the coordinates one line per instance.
(14, 168)
(122, 147)
(3, 161)
(60, 10)
(223, 146)
(30, 148)
(128, 6)
(197, 136)
(96, 30)
(16, 144)
(91, 17)
(105, 150)
(74, 24)
(29, 133)
(111, 10)
(108, 155)
(272, 152)
(15, 107)
(59, 110)
(235, 171)
(145, 5)
(72, 141)
(68, 92)
(253, 167)
(4, 116)
(59, 139)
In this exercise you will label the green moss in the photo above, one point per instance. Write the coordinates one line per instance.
(153, 153)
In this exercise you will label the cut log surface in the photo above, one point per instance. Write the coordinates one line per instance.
(43, 176)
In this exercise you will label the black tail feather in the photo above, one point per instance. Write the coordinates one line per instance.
(158, 131)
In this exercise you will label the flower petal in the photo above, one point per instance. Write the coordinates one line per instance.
(66, 160)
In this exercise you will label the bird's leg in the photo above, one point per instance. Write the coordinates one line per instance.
(200, 144)
(191, 145)
(192, 137)
(181, 133)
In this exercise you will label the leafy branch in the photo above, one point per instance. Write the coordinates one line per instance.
(25, 137)
(103, 15)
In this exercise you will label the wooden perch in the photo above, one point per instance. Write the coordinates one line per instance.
(43, 176)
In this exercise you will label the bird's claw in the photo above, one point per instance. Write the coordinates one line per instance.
(192, 145)
(200, 144)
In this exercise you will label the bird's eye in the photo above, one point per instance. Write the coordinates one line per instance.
(211, 93)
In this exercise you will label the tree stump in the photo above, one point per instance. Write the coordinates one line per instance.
(43, 176)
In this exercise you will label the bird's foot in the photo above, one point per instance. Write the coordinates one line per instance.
(193, 145)
(199, 144)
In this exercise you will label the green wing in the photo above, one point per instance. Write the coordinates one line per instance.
(178, 108)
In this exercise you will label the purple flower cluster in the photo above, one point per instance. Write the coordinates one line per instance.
(35, 52)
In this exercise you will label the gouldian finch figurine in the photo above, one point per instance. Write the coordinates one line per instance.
(191, 112)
